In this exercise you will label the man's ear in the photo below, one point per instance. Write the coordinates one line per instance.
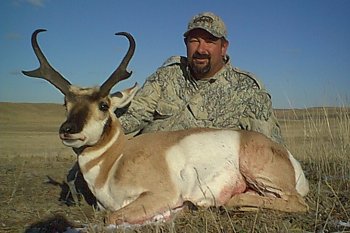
(185, 41)
(224, 47)
(120, 99)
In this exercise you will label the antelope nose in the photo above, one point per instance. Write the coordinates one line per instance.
(67, 128)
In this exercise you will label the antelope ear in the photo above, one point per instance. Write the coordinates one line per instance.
(120, 99)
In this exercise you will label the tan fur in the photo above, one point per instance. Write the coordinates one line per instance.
(267, 163)
(106, 161)
(79, 91)
(261, 156)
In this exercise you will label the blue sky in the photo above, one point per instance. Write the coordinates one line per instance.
(300, 49)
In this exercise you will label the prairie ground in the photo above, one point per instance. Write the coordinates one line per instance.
(34, 164)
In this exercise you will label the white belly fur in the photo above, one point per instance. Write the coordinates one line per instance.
(197, 165)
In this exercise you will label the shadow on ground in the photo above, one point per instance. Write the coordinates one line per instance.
(57, 223)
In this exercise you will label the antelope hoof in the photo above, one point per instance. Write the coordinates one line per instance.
(114, 219)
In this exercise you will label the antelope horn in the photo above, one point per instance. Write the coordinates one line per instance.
(120, 73)
(45, 71)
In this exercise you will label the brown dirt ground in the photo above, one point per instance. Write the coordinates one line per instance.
(34, 163)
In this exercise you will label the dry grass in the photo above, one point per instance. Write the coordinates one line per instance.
(32, 159)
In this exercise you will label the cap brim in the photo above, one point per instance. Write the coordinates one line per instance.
(214, 34)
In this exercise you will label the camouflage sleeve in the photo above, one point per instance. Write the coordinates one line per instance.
(258, 114)
(142, 107)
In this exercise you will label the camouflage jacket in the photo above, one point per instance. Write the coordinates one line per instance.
(171, 99)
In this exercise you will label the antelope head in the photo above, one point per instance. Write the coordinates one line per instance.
(89, 110)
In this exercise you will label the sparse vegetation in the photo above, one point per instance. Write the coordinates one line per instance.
(33, 165)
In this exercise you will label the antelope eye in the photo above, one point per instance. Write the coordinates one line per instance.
(103, 106)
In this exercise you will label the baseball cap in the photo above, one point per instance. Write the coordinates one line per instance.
(209, 22)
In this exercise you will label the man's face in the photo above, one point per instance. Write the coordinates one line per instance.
(205, 53)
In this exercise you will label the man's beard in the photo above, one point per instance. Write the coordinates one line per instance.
(196, 69)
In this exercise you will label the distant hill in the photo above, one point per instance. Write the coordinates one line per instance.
(55, 113)
(31, 112)
(31, 129)
(313, 112)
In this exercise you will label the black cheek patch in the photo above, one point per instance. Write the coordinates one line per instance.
(107, 126)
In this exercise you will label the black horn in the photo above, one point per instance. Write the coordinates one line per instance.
(120, 73)
(45, 71)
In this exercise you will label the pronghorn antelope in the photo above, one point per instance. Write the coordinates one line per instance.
(148, 177)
